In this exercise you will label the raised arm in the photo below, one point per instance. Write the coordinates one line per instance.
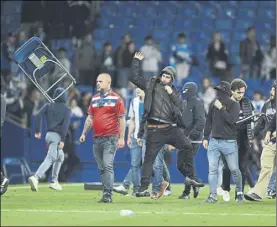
(135, 76)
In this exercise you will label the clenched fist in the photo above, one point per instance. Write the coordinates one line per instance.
(168, 89)
(218, 104)
(139, 55)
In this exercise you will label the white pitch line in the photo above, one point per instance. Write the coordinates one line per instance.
(45, 186)
(143, 212)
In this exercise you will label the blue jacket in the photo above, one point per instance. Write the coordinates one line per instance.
(57, 115)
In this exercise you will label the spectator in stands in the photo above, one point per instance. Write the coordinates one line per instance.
(269, 62)
(207, 93)
(31, 104)
(251, 55)
(258, 101)
(127, 57)
(85, 101)
(75, 109)
(217, 57)
(152, 58)
(22, 38)
(107, 60)
(86, 61)
(181, 58)
(13, 97)
(7, 50)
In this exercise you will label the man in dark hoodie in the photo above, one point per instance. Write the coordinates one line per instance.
(163, 105)
(192, 123)
(220, 124)
(4, 180)
(244, 138)
(58, 117)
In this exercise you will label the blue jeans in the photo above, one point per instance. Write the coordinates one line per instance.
(158, 168)
(229, 149)
(133, 175)
(104, 150)
(272, 183)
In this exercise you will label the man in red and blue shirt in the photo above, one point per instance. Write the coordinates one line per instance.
(106, 115)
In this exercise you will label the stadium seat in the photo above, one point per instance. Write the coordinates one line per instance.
(245, 14)
(181, 24)
(189, 12)
(163, 24)
(267, 15)
(224, 24)
(242, 25)
(248, 4)
(207, 12)
(104, 33)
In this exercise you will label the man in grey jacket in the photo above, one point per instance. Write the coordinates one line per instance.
(4, 180)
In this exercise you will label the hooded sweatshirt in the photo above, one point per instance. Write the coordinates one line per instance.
(57, 115)
(193, 116)
(220, 124)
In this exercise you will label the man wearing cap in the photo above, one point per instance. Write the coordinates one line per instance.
(192, 123)
(221, 128)
(163, 105)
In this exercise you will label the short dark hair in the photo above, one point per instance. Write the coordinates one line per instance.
(62, 49)
(250, 29)
(149, 37)
(238, 84)
(181, 35)
(107, 44)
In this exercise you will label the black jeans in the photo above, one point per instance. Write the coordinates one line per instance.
(195, 150)
(155, 140)
(243, 166)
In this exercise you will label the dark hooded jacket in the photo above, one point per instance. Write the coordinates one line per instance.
(57, 115)
(221, 123)
(193, 116)
(269, 109)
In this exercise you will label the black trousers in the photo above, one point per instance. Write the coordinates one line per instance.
(155, 140)
(195, 147)
(243, 166)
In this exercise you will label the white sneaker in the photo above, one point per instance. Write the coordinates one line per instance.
(226, 196)
(167, 193)
(120, 189)
(56, 186)
(33, 183)
(219, 191)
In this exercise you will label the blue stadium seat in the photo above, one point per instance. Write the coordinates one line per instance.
(245, 14)
(167, 10)
(208, 12)
(224, 24)
(147, 12)
(104, 33)
(238, 36)
(106, 22)
(163, 24)
(207, 24)
(226, 4)
(181, 24)
(268, 4)
(124, 22)
(226, 36)
(265, 27)
(226, 13)
(249, 4)
(128, 10)
(162, 35)
(99, 44)
(144, 23)
(188, 12)
(108, 10)
(267, 14)
(242, 25)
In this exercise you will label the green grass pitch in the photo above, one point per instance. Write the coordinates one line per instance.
(75, 206)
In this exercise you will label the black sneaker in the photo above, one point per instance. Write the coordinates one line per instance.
(4, 186)
(184, 196)
(194, 182)
(195, 192)
(105, 200)
(253, 197)
(211, 199)
(240, 198)
(144, 193)
(270, 194)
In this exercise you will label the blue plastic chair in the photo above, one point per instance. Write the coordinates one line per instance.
(36, 61)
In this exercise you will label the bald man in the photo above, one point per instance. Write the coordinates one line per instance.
(106, 115)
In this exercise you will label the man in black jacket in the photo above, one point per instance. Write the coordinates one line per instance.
(163, 105)
(220, 124)
(192, 123)
(4, 180)
(244, 138)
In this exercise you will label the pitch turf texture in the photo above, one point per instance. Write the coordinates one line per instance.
(75, 206)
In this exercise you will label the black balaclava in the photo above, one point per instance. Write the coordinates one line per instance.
(189, 90)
